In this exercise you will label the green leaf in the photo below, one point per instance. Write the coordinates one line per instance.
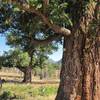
(39, 6)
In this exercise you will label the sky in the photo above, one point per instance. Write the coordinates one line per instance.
(56, 56)
(3, 46)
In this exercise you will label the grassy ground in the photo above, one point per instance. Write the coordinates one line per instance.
(11, 76)
(10, 91)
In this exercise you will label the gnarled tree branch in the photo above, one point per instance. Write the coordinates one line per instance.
(46, 41)
(36, 42)
(57, 29)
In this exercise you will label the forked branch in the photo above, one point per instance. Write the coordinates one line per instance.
(56, 28)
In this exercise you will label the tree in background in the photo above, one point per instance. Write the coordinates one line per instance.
(21, 60)
(28, 34)
(81, 49)
(49, 69)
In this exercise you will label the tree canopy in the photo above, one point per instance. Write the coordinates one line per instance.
(36, 23)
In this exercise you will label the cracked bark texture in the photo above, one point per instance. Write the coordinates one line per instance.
(78, 64)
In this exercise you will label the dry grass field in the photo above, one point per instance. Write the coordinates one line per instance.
(13, 74)
(15, 90)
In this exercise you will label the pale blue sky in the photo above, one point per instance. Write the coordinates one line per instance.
(56, 56)
(3, 46)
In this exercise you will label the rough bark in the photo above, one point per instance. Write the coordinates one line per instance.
(76, 61)
(91, 71)
(91, 63)
(96, 73)
(70, 72)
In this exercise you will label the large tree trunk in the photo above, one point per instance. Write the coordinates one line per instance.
(78, 65)
(91, 70)
(27, 75)
(91, 62)
(71, 69)
(27, 71)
